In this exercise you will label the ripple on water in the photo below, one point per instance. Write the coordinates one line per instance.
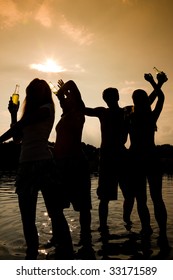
(12, 244)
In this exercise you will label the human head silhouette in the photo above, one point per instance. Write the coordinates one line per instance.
(71, 99)
(38, 93)
(141, 100)
(111, 96)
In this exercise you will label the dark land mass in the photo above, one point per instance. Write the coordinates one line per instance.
(9, 156)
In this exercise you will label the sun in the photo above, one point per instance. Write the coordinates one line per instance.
(50, 66)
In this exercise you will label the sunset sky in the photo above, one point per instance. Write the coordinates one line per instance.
(97, 43)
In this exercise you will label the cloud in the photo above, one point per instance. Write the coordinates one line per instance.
(12, 13)
(81, 35)
(9, 14)
(129, 87)
(49, 66)
(43, 16)
(79, 68)
(76, 68)
(131, 83)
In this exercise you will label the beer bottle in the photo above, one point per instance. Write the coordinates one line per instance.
(15, 95)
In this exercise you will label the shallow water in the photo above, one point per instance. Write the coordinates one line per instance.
(12, 244)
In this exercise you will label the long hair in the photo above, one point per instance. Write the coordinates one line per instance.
(38, 93)
(141, 101)
(142, 109)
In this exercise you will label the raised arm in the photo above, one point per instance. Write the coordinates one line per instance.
(162, 78)
(67, 88)
(94, 112)
(15, 129)
(91, 112)
(13, 109)
(157, 93)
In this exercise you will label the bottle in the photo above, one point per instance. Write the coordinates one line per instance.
(53, 88)
(156, 70)
(15, 95)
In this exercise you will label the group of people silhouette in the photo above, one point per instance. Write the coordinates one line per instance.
(63, 175)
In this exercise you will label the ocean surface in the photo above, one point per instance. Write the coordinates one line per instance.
(122, 244)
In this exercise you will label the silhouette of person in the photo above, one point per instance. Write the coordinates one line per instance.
(145, 164)
(73, 174)
(37, 168)
(113, 160)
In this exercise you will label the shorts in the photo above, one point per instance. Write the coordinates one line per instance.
(74, 177)
(112, 173)
(36, 176)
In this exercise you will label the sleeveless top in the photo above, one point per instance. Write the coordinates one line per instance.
(35, 139)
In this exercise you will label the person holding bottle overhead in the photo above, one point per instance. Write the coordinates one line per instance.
(72, 165)
(145, 164)
(37, 169)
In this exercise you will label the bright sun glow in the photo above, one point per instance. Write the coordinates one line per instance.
(48, 66)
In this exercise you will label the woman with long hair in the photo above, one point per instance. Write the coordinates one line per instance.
(37, 169)
(145, 163)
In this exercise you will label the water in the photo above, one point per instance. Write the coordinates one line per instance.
(12, 244)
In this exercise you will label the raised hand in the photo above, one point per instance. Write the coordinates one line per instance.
(148, 77)
(60, 83)
(13, 108)
(162, 78)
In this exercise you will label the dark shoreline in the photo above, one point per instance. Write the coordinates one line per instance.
(10, 152)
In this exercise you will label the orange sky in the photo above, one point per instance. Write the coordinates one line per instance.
(98, 44)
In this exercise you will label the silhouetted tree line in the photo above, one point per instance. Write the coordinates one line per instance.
(9, 156)
(166, 155)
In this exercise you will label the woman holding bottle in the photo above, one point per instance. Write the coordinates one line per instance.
(37, 169)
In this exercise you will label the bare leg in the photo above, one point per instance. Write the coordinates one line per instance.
(103, 213)
(86, 252)
(27, 205)
(85, 223)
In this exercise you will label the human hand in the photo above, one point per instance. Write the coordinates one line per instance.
(12, 107)
(60, 83)
(161, 77)
(148, 77)
(61, 91)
